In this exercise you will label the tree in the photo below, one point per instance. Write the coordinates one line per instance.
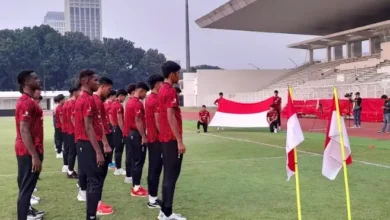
(57, 59)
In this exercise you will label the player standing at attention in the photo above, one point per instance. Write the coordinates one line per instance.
(130, 89)
(65, 136)
(137, 136)
(105, 85)
(28, 143)
(38, 98)
(88, 133)
(204, 119)
(154, 146)
(108, 126)
(116, 119)
(58, 131)
(72, 151)
(277, 101)
(55, 99)
(216, 102)
(171, 137)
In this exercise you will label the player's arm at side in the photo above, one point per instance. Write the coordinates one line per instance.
(173, 124)
(119, 114)
(27, 137)
(139, 122)
(88, 124)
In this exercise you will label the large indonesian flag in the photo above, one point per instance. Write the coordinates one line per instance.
(294, 136)
(241, 115)
(333, 161)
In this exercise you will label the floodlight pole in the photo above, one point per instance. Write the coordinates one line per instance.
(188, 57)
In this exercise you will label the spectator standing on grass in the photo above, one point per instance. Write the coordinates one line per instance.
(357, 110)
(386, 115)
(216, 102)
(272, 119)
(204, 119)
(28, 143)
(277, 102)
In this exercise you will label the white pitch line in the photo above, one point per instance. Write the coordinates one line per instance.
(280, 147)
(189, 162)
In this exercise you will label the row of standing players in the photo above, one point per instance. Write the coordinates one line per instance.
(93, 131)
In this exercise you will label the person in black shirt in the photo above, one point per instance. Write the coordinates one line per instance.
(357, 109)
(386, 115)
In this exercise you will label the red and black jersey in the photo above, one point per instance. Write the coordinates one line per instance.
(168, 98)
(29, 111)
(151, 108)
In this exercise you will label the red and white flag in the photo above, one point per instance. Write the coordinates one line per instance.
(294, 136)
(241, 115)
(333, 160)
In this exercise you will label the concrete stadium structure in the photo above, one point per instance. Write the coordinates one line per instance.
(341, 25)
(8, 99)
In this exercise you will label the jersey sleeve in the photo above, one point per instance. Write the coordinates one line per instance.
(138, 109)
(86, 108)
(25, 111)
(171, 99)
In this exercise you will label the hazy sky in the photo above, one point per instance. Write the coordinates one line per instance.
(160, 24)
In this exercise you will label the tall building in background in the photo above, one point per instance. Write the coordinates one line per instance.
(84, 16)
(56, 20)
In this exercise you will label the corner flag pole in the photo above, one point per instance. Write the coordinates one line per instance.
(343, 153)
(297, 185)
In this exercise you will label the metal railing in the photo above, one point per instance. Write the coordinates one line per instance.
(368, 90)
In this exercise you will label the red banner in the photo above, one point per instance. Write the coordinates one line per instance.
(371, 108)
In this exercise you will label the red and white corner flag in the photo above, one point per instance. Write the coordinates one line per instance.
(294, 136)
(333, 161)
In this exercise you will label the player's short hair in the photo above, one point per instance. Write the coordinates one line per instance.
(112, 93)
(105, 81)
(23, 77)
(203, 106)
(169, 67)
(221, 93)
(154, 79)
(384, 97)
(121, 92)
(142, 85)
(73, 89)
(60, 97)
(276, 91)
(130, 88)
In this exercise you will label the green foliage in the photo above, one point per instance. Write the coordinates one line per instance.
(57, 59)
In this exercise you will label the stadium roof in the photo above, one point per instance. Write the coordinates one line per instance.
(357, 34)
(307, 17)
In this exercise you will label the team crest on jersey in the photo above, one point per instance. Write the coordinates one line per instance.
(25, 114)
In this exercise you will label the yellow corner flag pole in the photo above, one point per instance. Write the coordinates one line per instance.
(342, 153)
(297, 186)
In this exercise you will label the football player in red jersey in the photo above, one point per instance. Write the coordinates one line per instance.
(88, 134)
(28, 143)
(154, 146)
(117, 121)
(58, 134)
(204, 119)
(105, 86)
(137, 135)
(171, 137)
(71, 143)
(216, 102)
(107, 107)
